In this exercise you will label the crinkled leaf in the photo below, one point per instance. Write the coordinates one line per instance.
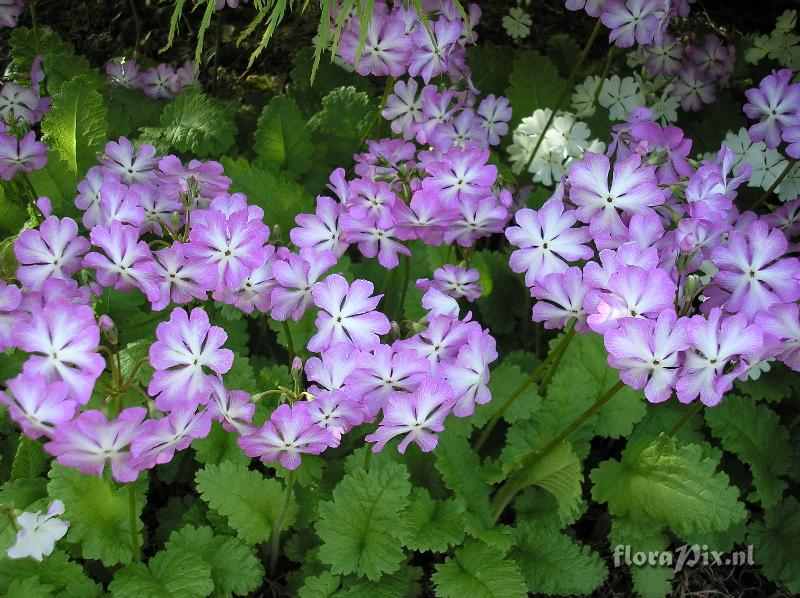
(30, 460)
(172, 573)
(219, 446)
(56, 570)
(344, 120)
(281, 137)
(429, 524)
(478, 571)
(534, 83)
(649, 581)
(776, 543)
(324, 585)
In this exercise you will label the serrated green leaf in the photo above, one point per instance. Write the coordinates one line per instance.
(235, 568)
(552, 563)
(773, 386)
(57, 182)
(169, 574)
(21, 493)
(776, 543)
(649, 581)
(281, 137)
(76, 127)
(249, 500)
(671, 484)
(12, 214)
(358, 526)
(345, 118)
(563, 51)
(98, 512)
(491, 66)
(27, 45)
(429, 524)
(26, 588)
(219, 446)
(478, 571)
(462, 472)
(30, 460)
(498, 308)
(324, 585)
(753, 433)
(56, 571)
(64, 66)
(193, 123)
(402, 584)
(534, 83)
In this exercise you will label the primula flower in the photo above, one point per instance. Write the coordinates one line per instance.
(386, 47)
(465, 130)
(468, 375)
(454, 281)
(124, 73)
(288, 432)
(336, 412)
(648, 353)
(231, 407)
(693, 88)
(375, 237)
(477, 218)
(37, 406)
(430, 56)
(18, 103)
(127, 263)
(10, 10)
(437, 108)
(38, 534)
(90, 441)
(132, 165)
(347, 314)
(560, 298)
(256, 290)
(120, 203)
(20, 155)
(752, 267)
(157, 440)
(332, 368)
(715, 343)
(494, 112)
(783, 322)
(426, 217)
(370, 200)
(187, 347)
(204, 180)
(62, 338)
(159, 209)
(404, 108)
(461, 174)
(633, 190)
(417, 416)
(178, 278)
(321, 231)
(632, 20)
(158, 82)
(10, 316)
(88, 198)
(54, 250)
(441, 341)
(547, 239)
(296, 275)
(593, 7)
(776, 104)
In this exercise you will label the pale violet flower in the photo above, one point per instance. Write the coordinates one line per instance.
(583, 98)
(38, 534)
(517, 23)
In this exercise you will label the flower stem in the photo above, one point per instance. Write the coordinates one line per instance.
(764, 196)
(515, 484)
(137, 24)
(404, 288)
(289, 341)
(132, 521)
(277, 528)
(567, 87)
(686, 417)
(386, 91)
(606, 67)
(532, 377)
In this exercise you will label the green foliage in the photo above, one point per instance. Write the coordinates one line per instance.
(281, 138)
(30, 461)
(57, 572)
(344, 120)
(99, 514)
(670, 484)
(249, 500)
(478, 570)
(429, 524)
(491, 66)
(358, 527)
(173, 572)
(649, 581)
(534, 83)
(25, 47)
(776, 543)
(563, 51)
(12, 214)
(193, 123)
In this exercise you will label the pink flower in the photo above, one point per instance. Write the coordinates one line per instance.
(178, 278)
(231, 407)
(322, 230)
(441, 341)
(468, 375)
(120, 203)
(20, 155)
(336, 412)
(159, 82)
(478, 218)
(10, 316)
(454, 281)
(775, 103)
(295, 276)
(333, 367)
(38, 407)
(632, 20)
(560, 298)
(54, 250)
(375, 237)
(461, 174)
(132, 165)
(386, 47)
(157, 440)
(430, 56)
(783, 322)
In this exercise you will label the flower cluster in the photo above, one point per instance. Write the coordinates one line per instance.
(161, 82)
(10, 10)
(688, 292)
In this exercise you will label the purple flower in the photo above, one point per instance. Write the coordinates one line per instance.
(336, 412)
(441, 341)
(495, 112)
(18, 104)
(158, 209)
(20, 155)
(478, 218)
(120, 203)
(88, 198)
(332, 368)
(256, 290)
(715, 344)
(10, 11)
(187, 347)
(204, 180)
(633, 190)
(231, 407)
(62, 338)
(751, 269)
(468, 375)
(370, 200)
(386, 47)
(417, 415)
(132, 165)
(127, 263)
(437, 108)
(37, 406)
(288, 432)
(632, 20)
(157, 440)
(454, 281)
(296, 275)
(10, 300)
(429, 57)
(159, 82)
(124, 73)
(791, 135)
(560, 298)
(322, 230)
(593, 7)
(461, 174)
(783, 322)
(90, 441)
(546, 239)
(54, 250)
(375, 237)
(465, 130)
(385, 371)
(426, 218)
(648, 353)
(404, 108)
(178, 278)
(693, 88)
(347, 314)
(776, 104)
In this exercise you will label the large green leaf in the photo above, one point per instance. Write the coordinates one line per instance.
(172, 573)
(478, 571)
(281, 137)
(534, 83)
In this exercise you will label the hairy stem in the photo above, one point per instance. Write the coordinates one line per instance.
(404, 288)
(686, 417)
(279, 521)
(132, 521)
(137, 24)
(515, 484)
(289, 342)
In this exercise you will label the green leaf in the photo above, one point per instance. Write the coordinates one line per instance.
(249, 500)
(773, 386)
(358, 526)
(98, 512)
(563, 51)
(129, 110)
(491, 66)
(776, 543)
(478, 571)
(345, 118)
(64, 66)
(193, 123)
(25, 47)
(76, 127)
(500, 314)
(671, 484)
(324, 585)
(170, 573)
(56, 571)
(20, 494)
(534, 83)
(649, 581)
(26, 588)
(30, 460)
(275, 192)
(281, 137)
(402, 584)
(219, 446)
(430, 524)
(58, 183)
(753, 432)
(552, 563)
(12, 214)
(462, 472)
(235, 568)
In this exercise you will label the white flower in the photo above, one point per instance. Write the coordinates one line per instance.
(517, 23)
(583, 96)
(620, 96)
(39, 533)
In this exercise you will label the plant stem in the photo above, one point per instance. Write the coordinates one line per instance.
(404, 288)
(567, 87)
(686, 417)
(606, 66)
(279, 521)
(386, 91)
(515, 484)
(35, 26)
(132, 520)
(558, 352)
(532, 377)
(137, 24)
(289, 342)
(774, 185)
